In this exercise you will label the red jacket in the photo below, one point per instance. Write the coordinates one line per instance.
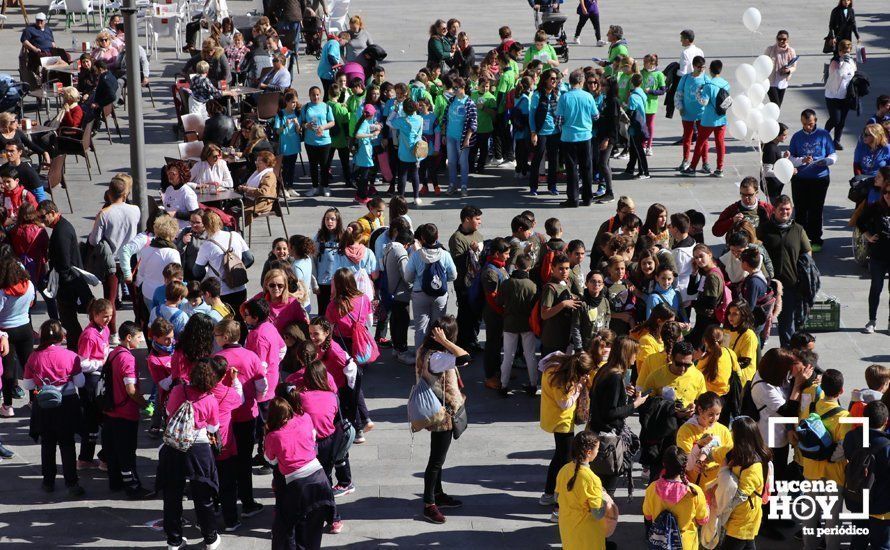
(724, 222)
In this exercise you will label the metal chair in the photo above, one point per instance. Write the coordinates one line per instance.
(56, 177)
(107, 111)
(80, 146)
(275, 212)
(193, 127)
(191, 150)
(279, 183)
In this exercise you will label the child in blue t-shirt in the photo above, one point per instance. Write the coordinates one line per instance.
(366, 130)
(432, 136)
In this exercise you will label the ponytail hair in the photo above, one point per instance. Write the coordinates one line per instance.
(671, 333)
(584, 443)
(713, 341)
(51, 332)
(674, 464)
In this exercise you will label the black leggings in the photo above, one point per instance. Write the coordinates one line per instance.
(21, 343)
(637, 156)
(289, 169)
(730, 543)
(603, 168)
(837, 116)
(432, 477)
(319, 164)
(244, 442)
(561, 457)
(550, 146)
(479, 152)
(343, 153)
(594, 19)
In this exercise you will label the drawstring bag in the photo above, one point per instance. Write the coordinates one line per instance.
(180, 433)
(49, 396)
(364, 348)
(424, 408)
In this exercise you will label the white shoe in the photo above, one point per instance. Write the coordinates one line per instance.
(180, 546)
(554, 516)
(312, 192)
(869, 327)
(648, 151)
(325, 192)
(600, 43)
(7, 411)
(496, 162)
(291, 194)
(547, 500)
(578, 40)
(418, 202)
(215, 544)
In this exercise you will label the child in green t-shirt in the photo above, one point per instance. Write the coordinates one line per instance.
(655, 86)
(486, 109)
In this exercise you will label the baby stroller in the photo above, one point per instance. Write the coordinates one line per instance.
(552, 24)
(312, 32)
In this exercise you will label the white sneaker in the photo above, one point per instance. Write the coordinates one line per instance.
(292, 194)
(600, 43)
(869, 327)
(648, 151)
(181, 545)
(554, 516)
(312, 192)
(547, 500)
(7, 411)
(325, 192)
(496, 162)
(418, 202)
(578, 40)
(215, 544)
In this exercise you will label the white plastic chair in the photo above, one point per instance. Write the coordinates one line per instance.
(193, 125)
(74, 7)
(166, 21)
(191, 150)
(338, 20)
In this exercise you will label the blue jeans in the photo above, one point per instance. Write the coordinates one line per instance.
(461, 155)
(791, 317)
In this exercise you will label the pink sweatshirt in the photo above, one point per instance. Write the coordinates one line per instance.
(252, 376)
(292, 448)
(267, 343)
(92, 347)
(228, 399)
(160, 370)
(292, 313)
(343, 326)
(123, 373)
(321, 406)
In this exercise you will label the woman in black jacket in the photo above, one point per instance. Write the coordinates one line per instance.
(606, 134)
(842, 23)
(464, 55)
(874, 223)
(612, 399)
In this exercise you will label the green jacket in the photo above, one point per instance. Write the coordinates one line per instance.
(517, 296)
(352, 105)
(459, 245)
(341, 119)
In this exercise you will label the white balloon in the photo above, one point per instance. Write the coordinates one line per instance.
(768, 130)
(756, 93)
(754, 119)
(771, 111)
(763, 66)
(751, 19)
(738, 129)
(741, 106)
(765, 83)
(752, 134)
(746, 75)
(783, 169)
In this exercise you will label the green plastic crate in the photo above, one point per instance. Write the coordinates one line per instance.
(825, 316)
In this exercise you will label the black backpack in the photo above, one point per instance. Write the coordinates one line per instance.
(860, 475)
(105, 387)
(749, 408)
(808, 280)
(732, 401)
(723, 101)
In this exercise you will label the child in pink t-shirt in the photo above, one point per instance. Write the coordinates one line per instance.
(290, 447)
(252, 376)
(229, 396)
(159, 361)
(93, 349)
(196, 463)
(121, 425)
(53, 364)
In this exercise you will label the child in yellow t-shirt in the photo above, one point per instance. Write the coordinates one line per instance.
(748, 459)
(372, 220)
(673, 492)
(718, 362)
(701, 436)
(583, 504)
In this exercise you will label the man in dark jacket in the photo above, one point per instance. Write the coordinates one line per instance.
(289, 14)
(220, 127)
(785, 240)
(747, 208)
(64, 256)
(879, 494)
(464, 245)
(106, 90)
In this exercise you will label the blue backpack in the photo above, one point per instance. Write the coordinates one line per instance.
(664, 533)
(814, 439)
(434, 281)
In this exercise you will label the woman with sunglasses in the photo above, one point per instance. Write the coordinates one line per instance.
(544, 130)
(105, 51)
(440, 51)
(784, 59)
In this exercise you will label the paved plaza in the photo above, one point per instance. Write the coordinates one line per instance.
(498, 467)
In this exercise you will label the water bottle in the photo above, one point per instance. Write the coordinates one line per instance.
(73, 43)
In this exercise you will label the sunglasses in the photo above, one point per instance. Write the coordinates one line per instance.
(275, 285)
(683, 366)
(885, 192)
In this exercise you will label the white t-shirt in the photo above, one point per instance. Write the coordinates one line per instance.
(183, 199)
(686, 56)
(152, 262)
(211, 256)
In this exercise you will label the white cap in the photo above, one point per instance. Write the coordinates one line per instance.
(40, 17)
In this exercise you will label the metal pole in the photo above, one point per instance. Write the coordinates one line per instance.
(134, 111)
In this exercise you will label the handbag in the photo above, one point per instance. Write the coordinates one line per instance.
(828, 46)
(459, 418)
